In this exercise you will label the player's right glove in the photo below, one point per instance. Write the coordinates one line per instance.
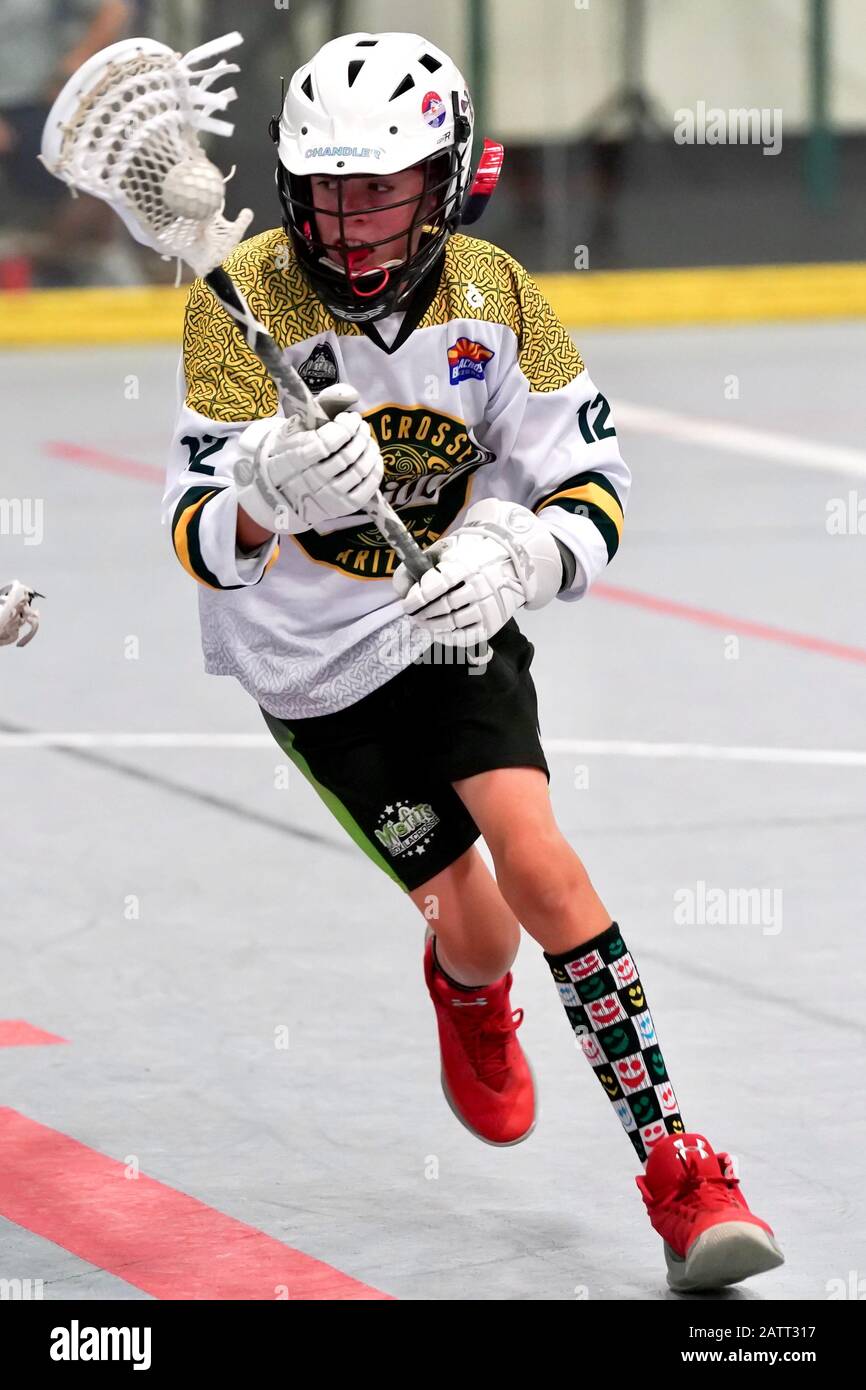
(501, 559)
(289, 479)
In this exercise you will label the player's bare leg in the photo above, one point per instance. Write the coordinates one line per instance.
(477, 934)
(539, 874)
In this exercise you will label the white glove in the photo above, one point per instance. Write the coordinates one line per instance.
(16, 613)
(289, 479)
(502, 558)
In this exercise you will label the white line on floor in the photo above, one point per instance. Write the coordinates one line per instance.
(740, 439)
(136, 740)
(711, 752)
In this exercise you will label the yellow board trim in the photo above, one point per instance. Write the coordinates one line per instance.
(581, 299)
(723, 294)
(591, 492)
(61, 318)
(181, 540)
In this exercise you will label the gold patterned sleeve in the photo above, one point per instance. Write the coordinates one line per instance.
(225, 380)
(547, 356)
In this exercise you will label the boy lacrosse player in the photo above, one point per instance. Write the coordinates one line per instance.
(450, 386)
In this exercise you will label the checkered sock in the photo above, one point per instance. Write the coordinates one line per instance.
(606, 1006)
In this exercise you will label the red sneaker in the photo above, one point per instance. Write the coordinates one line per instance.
(485, 1076)
(694, 1202)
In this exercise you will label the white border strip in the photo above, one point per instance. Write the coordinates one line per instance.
(608, 748)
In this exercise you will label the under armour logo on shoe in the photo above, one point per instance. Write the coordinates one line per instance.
(683, 1148)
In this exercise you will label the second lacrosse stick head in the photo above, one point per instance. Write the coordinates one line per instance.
(125, 128)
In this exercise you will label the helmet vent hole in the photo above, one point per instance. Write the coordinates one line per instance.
(354, 68)
(405, 86)
(307, 87)
(366, 43)
(429, 62)
(392, 130)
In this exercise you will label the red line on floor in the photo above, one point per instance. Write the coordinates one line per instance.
(162, 1241)
(105, 463)
(93, 458)
(742, 626)
(14, 1032)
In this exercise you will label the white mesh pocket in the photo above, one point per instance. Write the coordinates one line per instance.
(127, 123)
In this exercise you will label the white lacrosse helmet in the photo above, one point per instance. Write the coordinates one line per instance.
(373, 104)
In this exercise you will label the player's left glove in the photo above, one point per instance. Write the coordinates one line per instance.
(502, 558)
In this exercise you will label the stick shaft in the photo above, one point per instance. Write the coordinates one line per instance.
(297, 399)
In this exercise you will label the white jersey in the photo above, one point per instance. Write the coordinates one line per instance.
(481, 393)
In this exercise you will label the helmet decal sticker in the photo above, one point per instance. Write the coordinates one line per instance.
(433, 109)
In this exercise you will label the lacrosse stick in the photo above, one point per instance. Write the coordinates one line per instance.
(125, 128)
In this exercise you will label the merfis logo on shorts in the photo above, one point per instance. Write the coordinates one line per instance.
(406, 828)
(430, 458)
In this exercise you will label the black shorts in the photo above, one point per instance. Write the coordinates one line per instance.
(384, 766)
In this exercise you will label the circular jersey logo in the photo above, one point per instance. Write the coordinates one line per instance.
(433, 109)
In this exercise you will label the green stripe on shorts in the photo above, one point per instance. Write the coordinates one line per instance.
(286, 739)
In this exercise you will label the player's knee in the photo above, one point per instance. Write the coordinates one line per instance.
(464, 904)
(540, 875)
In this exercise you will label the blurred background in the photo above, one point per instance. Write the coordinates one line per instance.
(584, 94)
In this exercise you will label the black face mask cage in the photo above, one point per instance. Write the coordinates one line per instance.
(430, 218)
(349, 291)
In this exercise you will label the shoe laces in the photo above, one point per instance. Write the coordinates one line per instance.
(486, 1039)
(697, 1191)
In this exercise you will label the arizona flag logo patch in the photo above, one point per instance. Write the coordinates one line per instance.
(467, 359)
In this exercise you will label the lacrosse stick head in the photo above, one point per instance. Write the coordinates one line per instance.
(125, 128)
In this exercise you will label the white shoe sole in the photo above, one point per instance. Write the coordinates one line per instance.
(723, 1255)
(494, 1143)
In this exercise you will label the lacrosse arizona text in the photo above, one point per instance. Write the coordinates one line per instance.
(77, 1343)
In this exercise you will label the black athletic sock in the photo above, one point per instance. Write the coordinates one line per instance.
(606, 1006)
